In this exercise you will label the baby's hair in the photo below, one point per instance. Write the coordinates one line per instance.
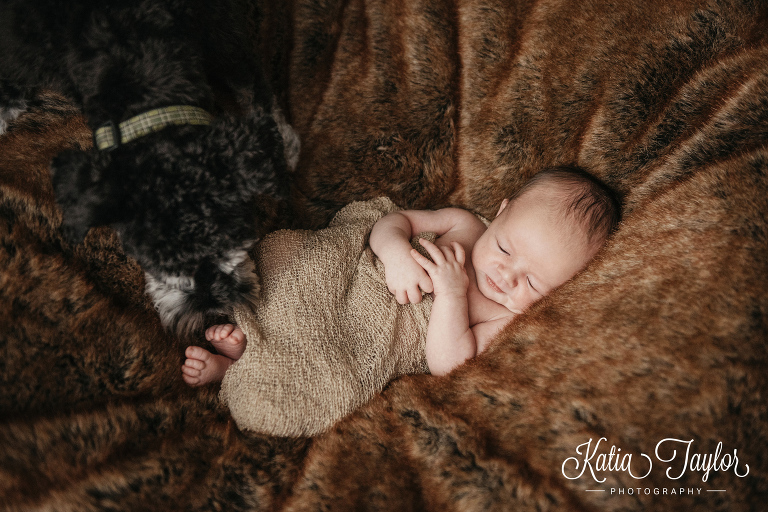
(587, 199)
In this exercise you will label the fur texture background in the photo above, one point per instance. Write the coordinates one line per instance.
(435, 103)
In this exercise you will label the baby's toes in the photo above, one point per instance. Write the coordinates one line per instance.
(191, 381)
(191, 371)
(217, 332)
(223, 331)
(195, 352)
(194, 364)
(235, 339)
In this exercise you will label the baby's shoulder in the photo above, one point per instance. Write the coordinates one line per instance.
(461, 215)
(464, 221)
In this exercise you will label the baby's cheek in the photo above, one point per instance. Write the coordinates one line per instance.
(527, 301)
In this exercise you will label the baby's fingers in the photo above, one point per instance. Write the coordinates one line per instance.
(447, 254)
(426, 284)
(421, 260)
(437, 255)
(461, 256)
(414, 295)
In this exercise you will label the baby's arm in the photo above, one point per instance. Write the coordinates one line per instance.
(390, 240)
(450, 341)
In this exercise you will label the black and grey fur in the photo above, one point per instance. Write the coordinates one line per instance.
(188, 201)
(12, 104)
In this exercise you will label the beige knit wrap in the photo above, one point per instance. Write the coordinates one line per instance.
(326, 335)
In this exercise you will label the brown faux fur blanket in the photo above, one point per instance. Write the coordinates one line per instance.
(433, 103)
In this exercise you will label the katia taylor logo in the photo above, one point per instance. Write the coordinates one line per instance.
(678, 455)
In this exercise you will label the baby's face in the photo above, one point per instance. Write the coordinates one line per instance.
(528, 250)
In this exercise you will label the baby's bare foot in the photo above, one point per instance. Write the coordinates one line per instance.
(228, 339)
(202, 367)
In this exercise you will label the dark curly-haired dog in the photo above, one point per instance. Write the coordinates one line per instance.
(191, 195)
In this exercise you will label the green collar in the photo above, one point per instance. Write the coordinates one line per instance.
(108, 136)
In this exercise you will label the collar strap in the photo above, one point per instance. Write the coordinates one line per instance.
(108, 136)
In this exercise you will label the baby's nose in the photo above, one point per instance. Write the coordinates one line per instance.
(508, 276)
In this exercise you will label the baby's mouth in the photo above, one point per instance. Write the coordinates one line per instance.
(492, 285)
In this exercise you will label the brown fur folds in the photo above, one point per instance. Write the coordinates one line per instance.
(434, 103)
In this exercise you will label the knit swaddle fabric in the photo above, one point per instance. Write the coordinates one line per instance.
(326, 334)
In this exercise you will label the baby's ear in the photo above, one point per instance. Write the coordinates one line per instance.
(82, 193)
(504, 204)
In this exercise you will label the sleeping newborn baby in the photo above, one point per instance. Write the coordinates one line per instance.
(477, 279)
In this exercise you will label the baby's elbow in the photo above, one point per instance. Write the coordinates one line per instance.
(439, 366)
(439, 370)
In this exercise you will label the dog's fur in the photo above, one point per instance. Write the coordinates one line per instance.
(187, 201)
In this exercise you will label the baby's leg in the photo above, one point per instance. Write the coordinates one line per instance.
(202, 367)
(228, 340)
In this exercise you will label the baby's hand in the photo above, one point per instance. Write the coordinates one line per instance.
(449, 277)
(406, 280)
